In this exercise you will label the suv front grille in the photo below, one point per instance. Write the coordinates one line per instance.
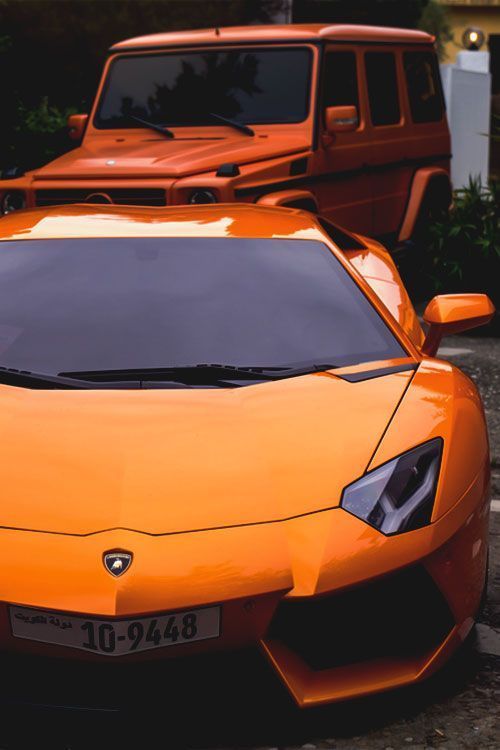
(120, 196)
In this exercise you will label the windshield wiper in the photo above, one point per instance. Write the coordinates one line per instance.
(233, 123)
(42, 381)
(190, 375)
(152, 126)
(170, 134)
(199, 373)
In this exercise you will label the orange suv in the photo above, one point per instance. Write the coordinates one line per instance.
(345, 120)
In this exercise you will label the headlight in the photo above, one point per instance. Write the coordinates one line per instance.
(398, 496)
(203, 196)
(13, 201)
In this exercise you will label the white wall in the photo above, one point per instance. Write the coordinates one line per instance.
(467, 89)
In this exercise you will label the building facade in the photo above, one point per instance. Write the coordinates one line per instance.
(463, 14)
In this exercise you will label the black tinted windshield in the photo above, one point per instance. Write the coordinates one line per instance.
(88, 304)
(248, 85)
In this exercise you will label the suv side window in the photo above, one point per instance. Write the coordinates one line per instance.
(382, 82)
(340, 87)
(424, 86)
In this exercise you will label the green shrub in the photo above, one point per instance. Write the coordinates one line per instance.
(435, 19)
(462, 250)
(41, 132)
(44, 118)
(38, 134)
(495, 129)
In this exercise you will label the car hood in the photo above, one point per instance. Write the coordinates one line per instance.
(167, 461)
(155, 157)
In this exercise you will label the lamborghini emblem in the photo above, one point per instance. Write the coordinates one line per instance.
(117, 563)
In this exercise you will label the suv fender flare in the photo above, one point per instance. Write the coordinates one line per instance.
(430, 190)
(302, 199)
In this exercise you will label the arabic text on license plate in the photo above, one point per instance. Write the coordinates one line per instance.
(115, 637)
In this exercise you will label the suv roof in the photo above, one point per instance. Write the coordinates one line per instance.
(276, 33)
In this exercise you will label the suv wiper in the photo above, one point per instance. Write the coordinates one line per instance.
(41, 381)
(152, 126)
(200, 373)
(233, 123)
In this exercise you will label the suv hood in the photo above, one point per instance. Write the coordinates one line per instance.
(163, 461)
(104, 158)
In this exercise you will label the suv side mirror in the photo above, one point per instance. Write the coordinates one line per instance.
(76, 126)
(341, 119)
(453, 313)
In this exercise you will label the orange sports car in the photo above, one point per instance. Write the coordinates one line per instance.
(223, 428)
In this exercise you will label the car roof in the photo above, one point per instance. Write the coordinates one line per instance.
(224, 220)
(277, 33)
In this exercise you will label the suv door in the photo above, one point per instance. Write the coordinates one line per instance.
(341, 182)
(389, 136)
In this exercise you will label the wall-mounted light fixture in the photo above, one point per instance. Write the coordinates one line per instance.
(473, 38)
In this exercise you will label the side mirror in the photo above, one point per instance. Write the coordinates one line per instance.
(341, 119)
(453, 313)
(76, 126)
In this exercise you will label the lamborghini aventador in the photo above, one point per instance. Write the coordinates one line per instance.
(223, 427)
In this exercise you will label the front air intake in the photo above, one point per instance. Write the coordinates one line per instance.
(398, 616)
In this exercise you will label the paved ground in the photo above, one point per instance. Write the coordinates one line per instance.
(459, 708)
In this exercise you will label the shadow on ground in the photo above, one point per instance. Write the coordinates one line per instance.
(253, 712)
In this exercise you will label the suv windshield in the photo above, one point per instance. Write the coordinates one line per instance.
(248, 85)
(88, 304)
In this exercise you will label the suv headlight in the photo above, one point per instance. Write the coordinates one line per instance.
(203, 195)
(398, 496)
(13, 201)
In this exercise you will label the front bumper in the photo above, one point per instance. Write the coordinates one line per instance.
(409, 601)
(146, 191)
(390, 632)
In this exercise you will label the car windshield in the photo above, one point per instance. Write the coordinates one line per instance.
(188, 88)
(91, 304)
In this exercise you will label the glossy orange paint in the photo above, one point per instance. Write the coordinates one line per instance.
(376, 266)
(233, 496)
(453, 313)
(367, 178)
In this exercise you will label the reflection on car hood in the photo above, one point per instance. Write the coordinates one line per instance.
(164, 461)
(155, 156)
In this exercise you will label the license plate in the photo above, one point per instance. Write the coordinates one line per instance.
(115, 637)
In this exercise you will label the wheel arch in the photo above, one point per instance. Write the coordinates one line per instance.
(430, 189)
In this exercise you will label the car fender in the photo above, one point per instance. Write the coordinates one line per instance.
(430, 184)
(442, 402)
(377, 267)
